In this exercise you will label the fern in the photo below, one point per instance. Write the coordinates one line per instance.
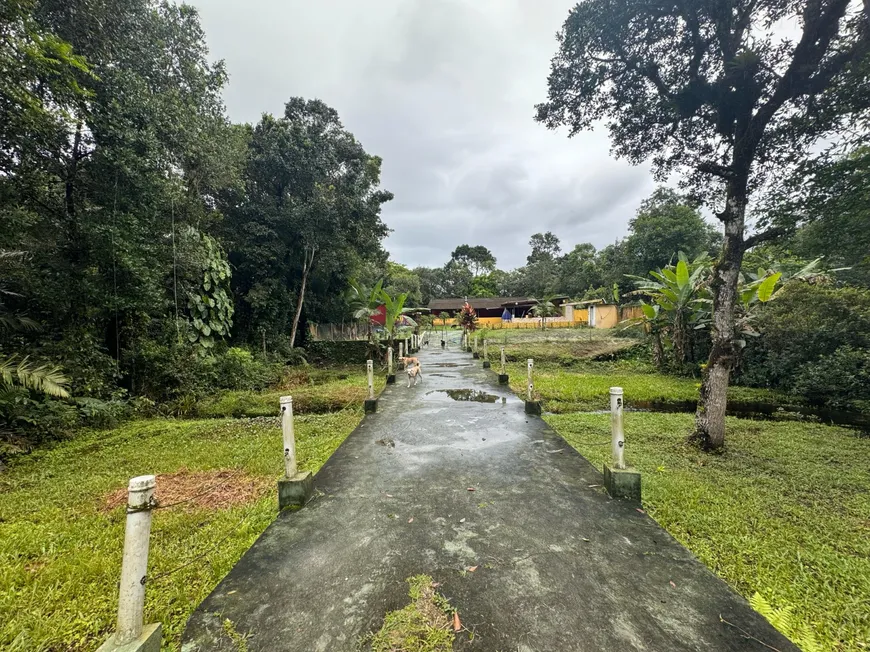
(784, 620)
(40, 378)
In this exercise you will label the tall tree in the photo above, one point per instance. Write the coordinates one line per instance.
(545, 246)
(312, 204)
(579, 271)
(478, 259)
(712, 88)
(666, 224)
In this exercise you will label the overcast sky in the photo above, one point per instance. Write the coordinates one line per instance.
(444, 91)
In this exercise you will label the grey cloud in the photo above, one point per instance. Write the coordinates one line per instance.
(444, 92)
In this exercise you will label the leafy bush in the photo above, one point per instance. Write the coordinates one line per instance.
(237, 368)
(806, 326)
(840, 380)
(167, 368)
(85, 361)
(350, 352)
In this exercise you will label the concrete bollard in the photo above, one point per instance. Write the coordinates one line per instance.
(503, 377)
(486, 363)
(295, 488)
(474, 352)
(620, 481)
(371, 404)
(617, 446)
(401, 349)
(532, 406)
(391, 375)
(131, 634)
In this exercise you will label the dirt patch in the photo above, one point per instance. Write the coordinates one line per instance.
(216, 489)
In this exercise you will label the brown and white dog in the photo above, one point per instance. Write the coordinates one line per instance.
(413, 369)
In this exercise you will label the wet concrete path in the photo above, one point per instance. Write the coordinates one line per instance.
(560, 566)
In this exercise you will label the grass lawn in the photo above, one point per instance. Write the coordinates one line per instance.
(314, 391)
(60, 545)
(587, 386)
(784, 512)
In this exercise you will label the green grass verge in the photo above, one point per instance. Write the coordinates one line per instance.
(587, 386)
(785, 512)
(314, 392)
(60, 551)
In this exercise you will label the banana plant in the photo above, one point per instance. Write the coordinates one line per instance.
(364, 303)
(679, 303)
(394, 308)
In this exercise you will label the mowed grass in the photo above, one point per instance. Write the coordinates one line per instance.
(784, 512)
(60, 547)
(586, 387)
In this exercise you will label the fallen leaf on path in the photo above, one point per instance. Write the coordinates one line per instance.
(457, 625)
(640, 510)
(586, 540)
(672, 584)
(411, 520)
(592, 486)
(471, 569)
(389, 495)
(462, 520)
(471, 489)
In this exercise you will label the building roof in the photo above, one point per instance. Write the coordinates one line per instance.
(481, 303)
(478, 303)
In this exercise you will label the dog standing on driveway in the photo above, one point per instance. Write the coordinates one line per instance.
(413, 369)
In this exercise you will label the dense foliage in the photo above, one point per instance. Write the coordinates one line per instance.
(148, 232)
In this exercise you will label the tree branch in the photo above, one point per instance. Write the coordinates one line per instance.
(764, 236)
(819, 30)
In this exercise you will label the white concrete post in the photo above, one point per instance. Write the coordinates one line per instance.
(134, 567)
(401, 348)
(370, 371)
(484, 350)
(476, 337)
(289, 436)
(531, 364)
(618, 441)
(502, 361)
(389, 361)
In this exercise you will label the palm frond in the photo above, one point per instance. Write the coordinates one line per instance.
(40, 378)
(12, 322)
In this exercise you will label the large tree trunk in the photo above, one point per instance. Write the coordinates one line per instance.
(709, 433)
(307, 264)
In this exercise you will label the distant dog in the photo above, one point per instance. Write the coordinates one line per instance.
(413, 369)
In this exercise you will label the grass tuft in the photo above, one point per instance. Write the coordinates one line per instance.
(421, 626)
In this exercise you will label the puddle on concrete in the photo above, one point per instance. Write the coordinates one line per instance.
(445, 375)
(474, 395)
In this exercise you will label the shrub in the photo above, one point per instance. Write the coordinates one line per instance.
(840, 380)
(237, 368)
(352, 352)
(805, 325)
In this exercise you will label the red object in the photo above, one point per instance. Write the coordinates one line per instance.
(381, 316)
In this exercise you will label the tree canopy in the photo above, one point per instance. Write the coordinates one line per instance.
(713, 90)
